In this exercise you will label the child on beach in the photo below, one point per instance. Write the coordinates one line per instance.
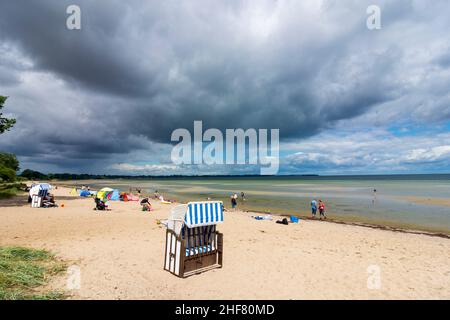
(146, 205)
(322, 209)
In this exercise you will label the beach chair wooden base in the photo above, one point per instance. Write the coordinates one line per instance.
(36, 201)
(201, 270)
(184, 259)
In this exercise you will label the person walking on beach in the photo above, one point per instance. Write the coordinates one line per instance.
(322, 209)
(314, 208)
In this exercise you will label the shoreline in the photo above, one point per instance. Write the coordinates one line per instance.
(394, 228)
(361, 224)
(381, 227)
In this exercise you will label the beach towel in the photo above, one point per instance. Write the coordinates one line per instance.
(268, 217)
(132, 197)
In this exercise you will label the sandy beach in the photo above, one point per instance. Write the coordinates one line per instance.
(120, 255)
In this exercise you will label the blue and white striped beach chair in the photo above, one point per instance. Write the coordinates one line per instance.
(38, 193)
(193, 244)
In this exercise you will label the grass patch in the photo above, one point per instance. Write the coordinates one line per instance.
(8, 191)
(11, 189)
(23, 271)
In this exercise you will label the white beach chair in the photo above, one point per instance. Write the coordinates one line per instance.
(193, 244)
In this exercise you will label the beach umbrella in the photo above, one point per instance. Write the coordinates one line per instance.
(104, 193)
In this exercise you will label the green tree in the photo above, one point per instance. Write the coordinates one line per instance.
(33, 175)
(5, 123)
(9, 160)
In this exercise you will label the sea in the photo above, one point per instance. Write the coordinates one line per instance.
(420, 202)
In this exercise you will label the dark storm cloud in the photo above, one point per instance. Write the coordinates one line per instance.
(137, 70)
(95, 56)
(178, 68)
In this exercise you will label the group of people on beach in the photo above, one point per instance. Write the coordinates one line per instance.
(318, 205)
(315, 205)
(234, 198)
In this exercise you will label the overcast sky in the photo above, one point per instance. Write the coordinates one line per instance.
(346, 99)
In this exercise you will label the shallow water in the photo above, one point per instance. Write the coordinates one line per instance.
(415, 201)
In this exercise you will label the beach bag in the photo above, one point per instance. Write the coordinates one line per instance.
(284, 221)
(294, 219)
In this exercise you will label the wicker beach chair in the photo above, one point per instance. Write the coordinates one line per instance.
(193, 245)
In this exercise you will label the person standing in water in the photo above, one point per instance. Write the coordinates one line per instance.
(233, 201)
(243, 196)
(314, 208)
(322, 209)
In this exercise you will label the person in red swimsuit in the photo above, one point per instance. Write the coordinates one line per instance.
(322, 209)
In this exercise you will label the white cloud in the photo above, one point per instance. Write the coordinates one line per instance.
(369, 152)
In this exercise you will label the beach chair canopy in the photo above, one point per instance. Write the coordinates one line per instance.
(35, 189)
(203, 213)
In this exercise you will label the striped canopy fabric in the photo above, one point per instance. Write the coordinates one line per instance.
(204, 213)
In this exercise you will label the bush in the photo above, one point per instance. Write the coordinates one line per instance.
(7, 174)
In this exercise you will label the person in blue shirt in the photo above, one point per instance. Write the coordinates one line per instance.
(314, 208)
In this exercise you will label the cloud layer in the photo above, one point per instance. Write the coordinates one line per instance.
(108, 96)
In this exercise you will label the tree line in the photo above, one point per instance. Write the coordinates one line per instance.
(9, 165)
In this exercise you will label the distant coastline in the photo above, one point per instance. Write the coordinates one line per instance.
(72, 176)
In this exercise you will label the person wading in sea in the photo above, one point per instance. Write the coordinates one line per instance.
(313, 208)
(322, 209)
(234, 201)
